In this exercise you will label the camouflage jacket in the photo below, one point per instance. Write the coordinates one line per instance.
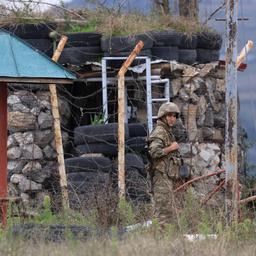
(160, 138)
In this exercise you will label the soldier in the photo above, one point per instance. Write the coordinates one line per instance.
(165, 162)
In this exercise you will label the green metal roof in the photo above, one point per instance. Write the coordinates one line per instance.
(20, 60)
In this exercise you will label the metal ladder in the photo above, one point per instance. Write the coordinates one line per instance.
(150, 80)
(151, 101)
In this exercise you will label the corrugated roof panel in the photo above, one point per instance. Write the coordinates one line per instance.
(18, 59)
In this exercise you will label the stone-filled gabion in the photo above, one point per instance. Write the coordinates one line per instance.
(31, 146)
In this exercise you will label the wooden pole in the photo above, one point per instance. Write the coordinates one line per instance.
(57, 129)
(231, 145)
(3, 150)
(121, 118)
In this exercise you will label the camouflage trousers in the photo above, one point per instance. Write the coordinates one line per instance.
(165, 203)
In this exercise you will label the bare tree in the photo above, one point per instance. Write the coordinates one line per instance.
(162, 6)
(188, 8)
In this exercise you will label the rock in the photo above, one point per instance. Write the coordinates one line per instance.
(19, 138)
(35, 172)
(189, 114)
(25, 198)
(45, 120)
(49, 152)
(45, 105)
(15, 166)
(31, 166)
(183, 95)
(28, 138)
(205, 155)
(175, 86)
(209, 119)
(27, 98)
(202, 105)
(12, 190)
(207, 68)
(31, 152)
(219, 120)
(220, 85)
(187, 149)
(25, 184)
(13, 100)
(44, 138)
(207, 133)
(18, 121)
(35, 111)
(210, 87)
(11, 142)
(14, 153)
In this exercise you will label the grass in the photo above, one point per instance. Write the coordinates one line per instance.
(236, 239)
(122, 23)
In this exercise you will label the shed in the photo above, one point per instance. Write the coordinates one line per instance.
(21, 63)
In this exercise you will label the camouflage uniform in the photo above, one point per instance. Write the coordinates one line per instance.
(163, 175)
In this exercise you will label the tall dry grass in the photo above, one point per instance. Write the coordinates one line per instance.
(135, 245)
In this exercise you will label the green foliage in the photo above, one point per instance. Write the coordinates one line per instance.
(97, 119)
(125, 213)
(46, 216)
(90, 26)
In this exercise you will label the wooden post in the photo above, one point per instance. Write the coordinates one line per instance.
(3, 150)
(231, 165)
(121, 118)
(57, 129)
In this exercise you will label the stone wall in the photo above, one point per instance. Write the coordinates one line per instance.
(31, 146)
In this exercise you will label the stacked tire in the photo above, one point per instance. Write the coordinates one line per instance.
(88, 181)
(36, 35)
(208, 46)
(187, 49)
(166, 44)
(81, 48)
(121, 46)
(103, 139)
(136, 182)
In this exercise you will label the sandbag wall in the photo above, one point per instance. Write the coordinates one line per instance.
(32, 163)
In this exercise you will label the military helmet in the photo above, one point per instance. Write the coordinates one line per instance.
(168, 107)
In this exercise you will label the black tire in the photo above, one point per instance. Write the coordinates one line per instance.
(136, 144)
(166, 38)
(188, 42)
(119, 63)
(98, 133)
(165, 53)
(136, 182)
(105, 148)
(80, 55)
(87, 182)
(53, 233)
(125, 43)
(187, 56)
(137, 130)
(88, 164)
(43, 45)
(205, 55)
(32, 31)
(209, 40)
(134, 161)
(83, 39)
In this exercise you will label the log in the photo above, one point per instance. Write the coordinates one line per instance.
(57, 129)
(121, 118)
